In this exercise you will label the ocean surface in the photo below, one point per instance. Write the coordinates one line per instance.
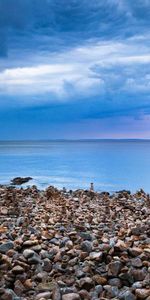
(110, 164)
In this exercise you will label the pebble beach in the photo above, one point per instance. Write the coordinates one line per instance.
(74, 245)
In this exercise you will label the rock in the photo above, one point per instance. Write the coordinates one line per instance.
(4, 211)
(135, 251)
(142, 293)
(136, 262)
(86, 283)
(115, 282)
(75, 244)
(45, 295)
(28, 284)
(86, 236)
(137, 285)
(138, 230)
(20, 180)
(56, 295)
(28, 253)
(68, 290)
(114, 268)
(84, 295)
(126, 295)
(6, 247)
(20, 221)
(32, 256)
(120, 246)
(34, 260)
(96, 256)
(19, 288)
(99, 279)
(47, 265)
(9, 295)
(86, 246)
(71, 296)
(17, 270)
(111, 291)
(98, 289)
(138, 275)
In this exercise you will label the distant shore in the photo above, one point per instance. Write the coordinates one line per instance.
(74, 245)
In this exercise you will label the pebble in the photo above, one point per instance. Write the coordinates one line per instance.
(28, 253)
(86, 246)
(142, 293)
(5, 247)
(114, 268)
(45, 295)
(71, 296)
(126, 295)
(77, 245)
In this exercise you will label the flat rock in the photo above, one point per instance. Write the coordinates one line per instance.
(45, 295)
(71, 296)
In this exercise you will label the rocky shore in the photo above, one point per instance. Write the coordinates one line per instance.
(78, 245)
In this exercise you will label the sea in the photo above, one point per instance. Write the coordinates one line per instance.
(112, 165)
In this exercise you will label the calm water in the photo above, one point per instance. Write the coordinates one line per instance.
(111, 165)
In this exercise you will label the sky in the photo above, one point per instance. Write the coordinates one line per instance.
(74, 69)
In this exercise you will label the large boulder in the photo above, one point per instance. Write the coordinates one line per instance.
(20, 180)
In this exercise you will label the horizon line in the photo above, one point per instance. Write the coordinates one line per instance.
(77, 140)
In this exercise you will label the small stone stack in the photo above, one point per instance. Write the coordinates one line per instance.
(76, 245)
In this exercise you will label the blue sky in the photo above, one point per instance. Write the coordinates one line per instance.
(74, 69)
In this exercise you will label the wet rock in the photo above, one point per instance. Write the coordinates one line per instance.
(20, 180)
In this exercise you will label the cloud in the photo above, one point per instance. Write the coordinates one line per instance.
(95, 68)
(53, 78)
(78, 59)
(28, 23)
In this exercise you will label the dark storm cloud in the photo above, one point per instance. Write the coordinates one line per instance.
(63, 21)
(67, 61)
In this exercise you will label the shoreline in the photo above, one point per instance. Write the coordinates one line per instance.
(30, 185)
(63, 245)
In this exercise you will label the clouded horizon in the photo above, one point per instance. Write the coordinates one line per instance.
(74, 69)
